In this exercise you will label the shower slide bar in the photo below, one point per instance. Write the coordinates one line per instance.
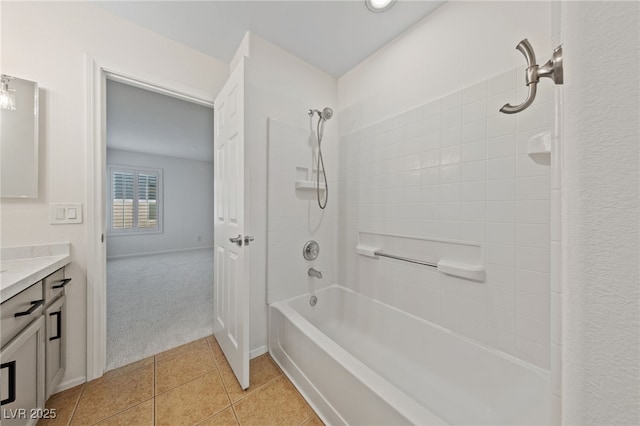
(406, 259)
(552, 69)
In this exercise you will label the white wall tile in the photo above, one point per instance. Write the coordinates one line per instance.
(532, 211)
(473, 171)
(474, 93)
(533, 306)
(450, 137)
(501, 168)
(450, 155)
(502, 298)
(450, 173)
(451, 118)
(501, 254)
(501, 211)
(474, 131)
(501, 233)
(531, 235)
(473, 211)
(454, 100)
(475, 111)
(533, 188)
(533, 329)
(533, 259)
(533, 282)
(501, 146)
(473, 151)
(501, 189)
(473, 191)
(431, 141)
(500, 125)
(501, 83)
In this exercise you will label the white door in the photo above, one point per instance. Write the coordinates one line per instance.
(231, 284)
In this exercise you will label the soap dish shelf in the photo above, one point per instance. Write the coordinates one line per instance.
(308, 185)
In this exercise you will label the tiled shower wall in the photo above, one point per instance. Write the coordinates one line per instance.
(456, 169)
(293, 214)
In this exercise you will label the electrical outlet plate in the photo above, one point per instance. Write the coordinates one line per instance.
(60, 214)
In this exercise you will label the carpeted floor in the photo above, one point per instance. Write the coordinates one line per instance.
(157, 302)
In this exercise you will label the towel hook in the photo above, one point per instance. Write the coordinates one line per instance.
(552, 69)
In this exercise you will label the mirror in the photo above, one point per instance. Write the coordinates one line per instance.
(19, 139)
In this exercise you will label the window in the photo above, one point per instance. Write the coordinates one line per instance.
(135, 204)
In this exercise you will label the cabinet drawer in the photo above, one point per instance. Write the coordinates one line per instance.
(27, 305)
(54, 285)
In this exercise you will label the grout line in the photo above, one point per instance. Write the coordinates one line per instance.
(75, 407)
(122, 411)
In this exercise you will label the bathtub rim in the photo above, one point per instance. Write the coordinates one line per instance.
(413, 411)
(544, 374)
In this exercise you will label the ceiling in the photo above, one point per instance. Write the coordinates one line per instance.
(333, 36)
(143, 121)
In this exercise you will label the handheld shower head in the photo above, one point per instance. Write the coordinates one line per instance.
(325, 114)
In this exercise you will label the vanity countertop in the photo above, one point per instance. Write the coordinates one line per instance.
(21, 267)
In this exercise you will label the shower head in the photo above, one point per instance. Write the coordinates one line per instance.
(325, 114)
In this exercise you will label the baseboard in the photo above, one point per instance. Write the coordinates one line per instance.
(258, 351)
(151, 253)
(70, 384)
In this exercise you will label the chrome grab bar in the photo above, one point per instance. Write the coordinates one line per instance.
(406, 259)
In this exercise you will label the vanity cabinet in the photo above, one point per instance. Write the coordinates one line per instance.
(33, 348)
(22, 375)
(55, 317)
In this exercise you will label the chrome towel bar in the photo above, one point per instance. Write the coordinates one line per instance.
(406, 259)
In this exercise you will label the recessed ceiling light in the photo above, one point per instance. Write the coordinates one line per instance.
(379, 5)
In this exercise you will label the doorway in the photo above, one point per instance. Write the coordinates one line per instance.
(159, 227)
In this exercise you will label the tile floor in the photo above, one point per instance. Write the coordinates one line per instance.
(190, 385)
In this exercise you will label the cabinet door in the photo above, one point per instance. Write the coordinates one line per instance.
(54, 316)
(22, 376)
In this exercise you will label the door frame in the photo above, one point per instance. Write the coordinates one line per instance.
(97, 71)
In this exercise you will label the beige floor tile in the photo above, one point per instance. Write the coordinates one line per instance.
(139, 415)
(172, 371)
(278, 403)
(181, 349)
(192, 402)
(111, 395)
(129, 367)
(64, 403)
(217, 350)
(224, 418)
(261, 371)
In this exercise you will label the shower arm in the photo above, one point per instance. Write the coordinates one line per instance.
(552, 69)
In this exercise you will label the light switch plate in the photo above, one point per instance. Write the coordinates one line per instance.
(63, 213)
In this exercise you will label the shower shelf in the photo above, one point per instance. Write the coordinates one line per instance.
(308, 184)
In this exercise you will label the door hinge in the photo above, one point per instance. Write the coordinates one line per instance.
(102, 238)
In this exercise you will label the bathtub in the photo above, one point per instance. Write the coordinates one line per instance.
(360, 362)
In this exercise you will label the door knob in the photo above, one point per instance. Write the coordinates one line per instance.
(237, 240)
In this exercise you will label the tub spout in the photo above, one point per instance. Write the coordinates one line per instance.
(314, 273)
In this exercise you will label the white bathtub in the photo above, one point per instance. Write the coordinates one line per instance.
(361, 362)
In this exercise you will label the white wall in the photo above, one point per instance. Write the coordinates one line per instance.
(187, 203)
(601, 291)
(283, 87)
(47, 42)
(461, 43)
